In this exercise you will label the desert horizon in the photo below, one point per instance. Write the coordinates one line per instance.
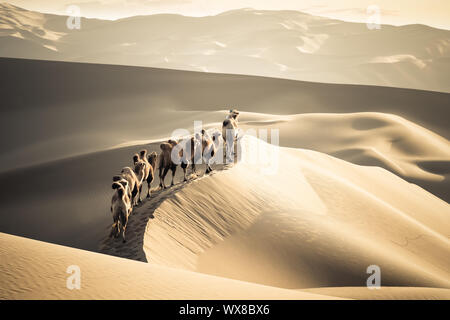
(247, 155)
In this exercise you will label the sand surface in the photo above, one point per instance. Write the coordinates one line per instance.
(37, 270)
(339, 200)
(318, 222)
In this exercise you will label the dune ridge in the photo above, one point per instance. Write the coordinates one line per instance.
(282, 44)
(369, 139)
(379, 222)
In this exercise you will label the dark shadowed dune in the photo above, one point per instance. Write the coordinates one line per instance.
(75, 95)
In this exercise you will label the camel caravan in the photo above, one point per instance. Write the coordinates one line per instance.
(200, 148)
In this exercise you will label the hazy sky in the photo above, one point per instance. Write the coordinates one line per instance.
(431, 12)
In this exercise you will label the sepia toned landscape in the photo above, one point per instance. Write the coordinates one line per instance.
(357, 173)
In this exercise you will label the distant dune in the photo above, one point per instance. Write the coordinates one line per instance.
(284, 44)
(66, 104)
(372, 139)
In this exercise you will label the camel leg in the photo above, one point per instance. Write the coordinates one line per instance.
(184, 166)
(162, 183)
(124, 226)
(174, 169)
(123, 234)
(208, 166)
(149, 184)
(139, 194)
(134, 194)
(161, 180)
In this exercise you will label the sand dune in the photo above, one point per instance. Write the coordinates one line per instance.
(318, 222)
(84, 93)
(37, 270)
(334, 219)
(284, 44)
(385, 293)
(371, 139)
(76, 119)
(314, 225)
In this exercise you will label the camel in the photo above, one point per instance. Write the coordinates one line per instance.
(120, 208)
(141, 170)
(230, 133)
(138, 158)
(151, 160)
(192, 147)
(128, 175)
(165, 162)
(134, 182)
(150, 164)
(209, 148)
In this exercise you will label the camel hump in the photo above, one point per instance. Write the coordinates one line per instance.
(164, 146)
(226, 122)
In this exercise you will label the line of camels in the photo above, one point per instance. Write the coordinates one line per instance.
(128, 184)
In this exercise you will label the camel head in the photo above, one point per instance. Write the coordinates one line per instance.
(234, 114)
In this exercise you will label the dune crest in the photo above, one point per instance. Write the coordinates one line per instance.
(377, 139)
(319, 221)
(282, 44)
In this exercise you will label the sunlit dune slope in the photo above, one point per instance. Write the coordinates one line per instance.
(37, 270)
(372, 139)
(385, 293)
(318, 221)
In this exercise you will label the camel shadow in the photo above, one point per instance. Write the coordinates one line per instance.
(141, 216)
